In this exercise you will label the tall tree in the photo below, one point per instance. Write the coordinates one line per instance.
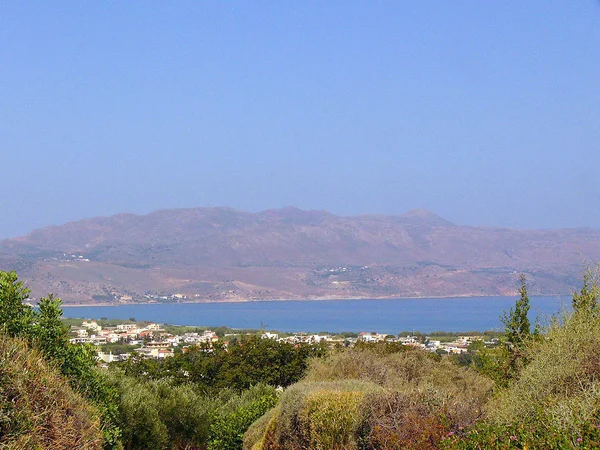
(15, 315)
(50, 335)
(516, 322)
(586, 300)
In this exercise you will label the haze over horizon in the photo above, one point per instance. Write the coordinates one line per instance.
(429, 216)
(483, 113)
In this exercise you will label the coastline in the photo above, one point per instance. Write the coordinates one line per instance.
(316, 299)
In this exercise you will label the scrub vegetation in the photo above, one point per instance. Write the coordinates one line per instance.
(357, 398)
(539, 389)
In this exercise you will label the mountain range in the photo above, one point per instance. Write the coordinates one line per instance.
(222, 254)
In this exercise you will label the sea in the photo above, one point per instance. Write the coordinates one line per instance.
(391, 316)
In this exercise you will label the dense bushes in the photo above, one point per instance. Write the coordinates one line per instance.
(555, 402)
(231, 419)
(157, 415)
(215, 392)
(562, 380)
(358, 399)
(410, 370)
(38, 408)
(211, 394)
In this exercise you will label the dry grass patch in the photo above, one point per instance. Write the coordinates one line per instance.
(316, 415)
(38, 408)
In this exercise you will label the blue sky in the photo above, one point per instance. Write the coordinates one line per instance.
(487, 113)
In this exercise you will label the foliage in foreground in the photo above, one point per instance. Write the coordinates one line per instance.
(204, 398)
(536, 391)
(555, 402)
(156, 415)
(358, 398)
(44, 331)
(159, 415)
(231, 419)
(38, 408)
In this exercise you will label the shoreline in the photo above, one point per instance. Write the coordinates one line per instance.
(318, 299)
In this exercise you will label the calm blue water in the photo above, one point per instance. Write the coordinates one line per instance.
(384, 316)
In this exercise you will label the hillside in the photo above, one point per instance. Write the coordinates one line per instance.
(220, 254)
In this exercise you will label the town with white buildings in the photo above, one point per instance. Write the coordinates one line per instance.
(153, 341)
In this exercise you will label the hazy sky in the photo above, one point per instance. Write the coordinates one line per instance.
(487, 113)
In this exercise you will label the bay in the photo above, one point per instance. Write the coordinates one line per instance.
(384, 316)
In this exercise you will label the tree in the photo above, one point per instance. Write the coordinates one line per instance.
(16, 316)
(50, 335)
(586, 300)
(517, 325)
(505, 363)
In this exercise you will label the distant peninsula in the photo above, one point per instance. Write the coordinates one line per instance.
(222, 254)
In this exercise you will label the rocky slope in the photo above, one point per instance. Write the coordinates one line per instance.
(224, 254)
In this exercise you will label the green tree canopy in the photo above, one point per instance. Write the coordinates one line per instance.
(16, 316)
(516, 322)
(586, 300)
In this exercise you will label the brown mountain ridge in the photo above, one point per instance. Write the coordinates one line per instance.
(222, 254)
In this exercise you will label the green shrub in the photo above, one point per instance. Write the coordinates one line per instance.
(486, 435)
(157, 415)
(555, 401)
(239, 366)
(138, 415)
(233, 418)
(185, 413)
(559, 391)
(565, 367)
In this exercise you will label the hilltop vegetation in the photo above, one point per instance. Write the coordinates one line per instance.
(43, 330)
